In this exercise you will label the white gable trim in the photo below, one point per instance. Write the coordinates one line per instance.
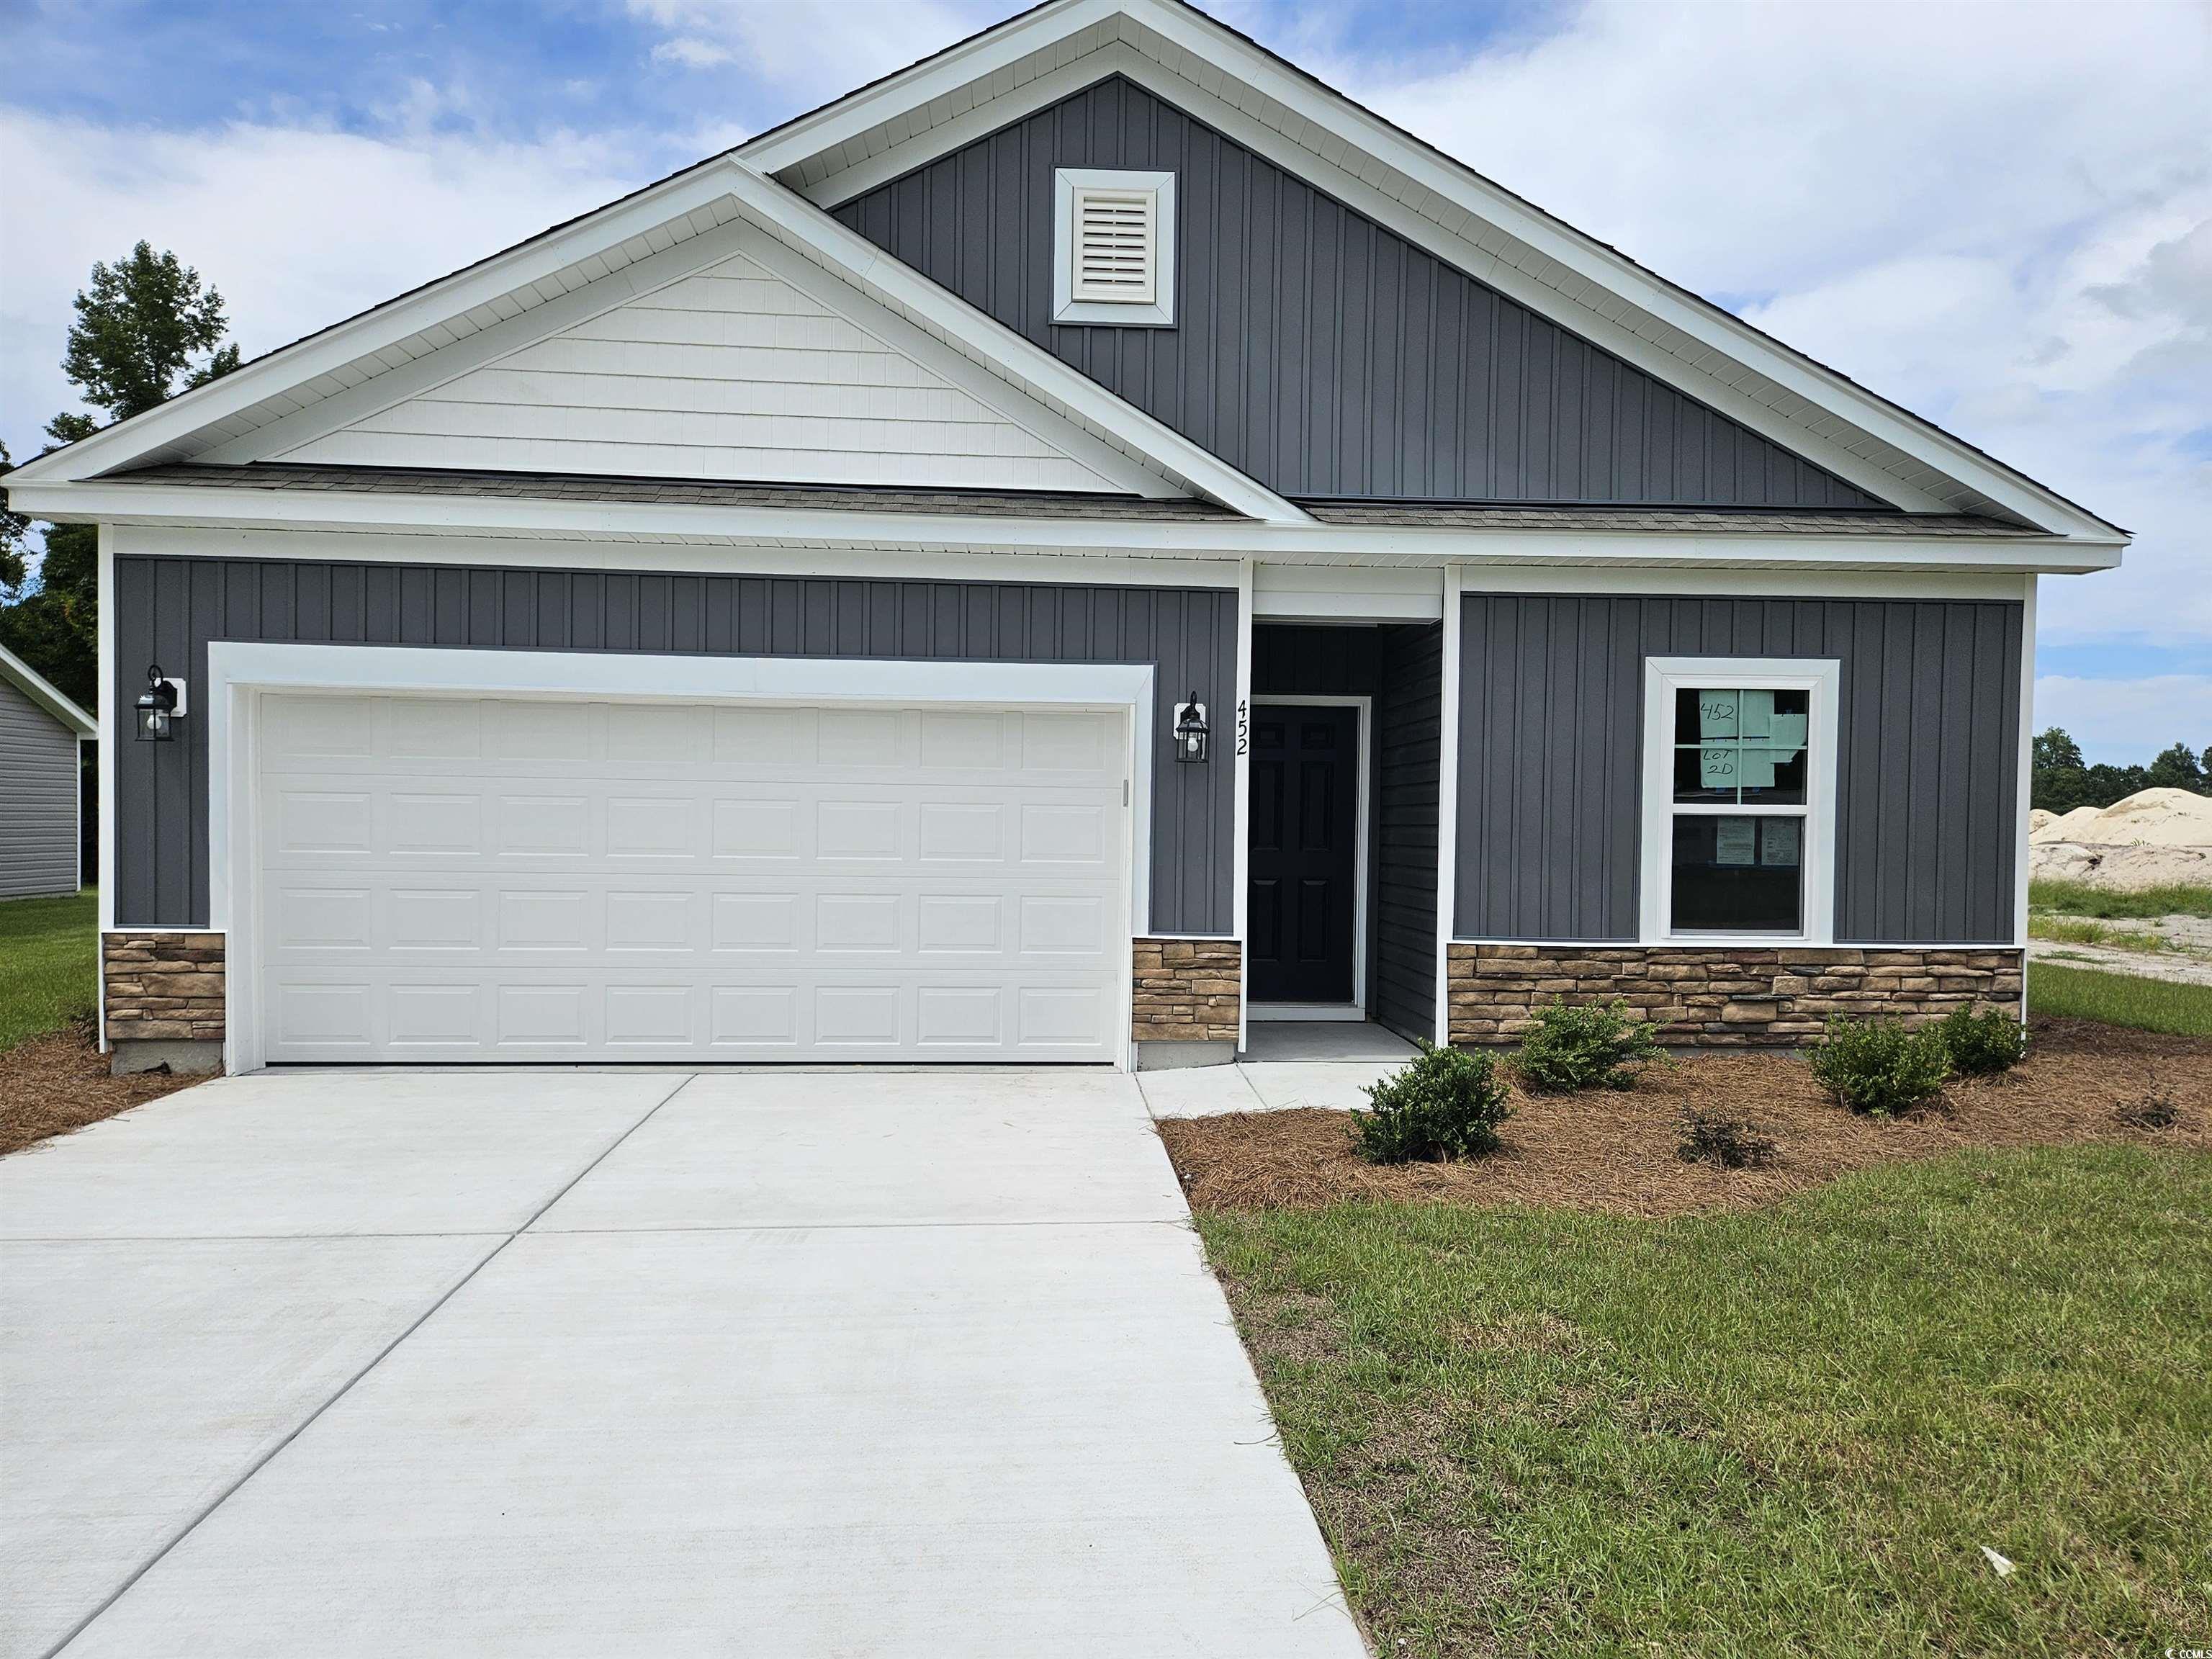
(1437, 202)
(709, 195)
(41, 691)
(737, 238)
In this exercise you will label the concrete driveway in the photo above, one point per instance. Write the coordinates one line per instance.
(608, 1362)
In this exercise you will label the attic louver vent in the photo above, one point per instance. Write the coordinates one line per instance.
(1115, 246)
(1114, 261)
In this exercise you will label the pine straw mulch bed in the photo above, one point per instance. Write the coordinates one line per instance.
(1618, 1151)
(53, 1084)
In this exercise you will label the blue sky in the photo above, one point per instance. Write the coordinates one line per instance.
(2000, 216)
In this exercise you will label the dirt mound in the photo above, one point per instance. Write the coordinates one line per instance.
(2152, 838)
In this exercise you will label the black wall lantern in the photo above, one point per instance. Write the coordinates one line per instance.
(159, 707)
(1190, 730)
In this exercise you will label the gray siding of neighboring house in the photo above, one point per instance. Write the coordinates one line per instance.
(168, 610)
(1313, 349)
(1400, 667)
(1551, 738)
(38, 799)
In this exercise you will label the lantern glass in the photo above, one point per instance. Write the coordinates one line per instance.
(1190, 733)
(153, 720)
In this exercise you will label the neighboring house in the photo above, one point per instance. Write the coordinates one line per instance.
(751, 622)
(42, 738)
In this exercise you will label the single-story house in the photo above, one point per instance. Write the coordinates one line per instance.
(42, 738)
(1082, 544)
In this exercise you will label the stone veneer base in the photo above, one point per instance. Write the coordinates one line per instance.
(1186, 990)
(1724, 996)
(162, 988)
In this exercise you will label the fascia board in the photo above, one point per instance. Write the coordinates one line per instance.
(574, 525)
(42, 691)
(386, 325)
(994, 343)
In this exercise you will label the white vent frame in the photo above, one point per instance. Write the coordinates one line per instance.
(1067, 185)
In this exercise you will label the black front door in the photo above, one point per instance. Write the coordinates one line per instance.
(1305, 795)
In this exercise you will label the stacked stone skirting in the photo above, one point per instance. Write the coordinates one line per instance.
(1187, 990)
(1725, 997)
(163, 987)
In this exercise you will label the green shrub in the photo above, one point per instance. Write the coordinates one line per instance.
(1879, 1067)
(1723, 1137)
(1445, 1104)
(1584, 1048)
(1983, 1044)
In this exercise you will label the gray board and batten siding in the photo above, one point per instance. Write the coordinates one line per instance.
(167, 609)
(1313, 349)
(38, 785)
(1400, 667)
(1551, 739)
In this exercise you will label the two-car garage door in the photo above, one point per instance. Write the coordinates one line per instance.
(459, 879)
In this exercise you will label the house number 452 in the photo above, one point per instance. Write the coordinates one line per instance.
(1243, 727)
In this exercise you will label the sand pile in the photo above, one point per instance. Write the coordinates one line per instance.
(2153, 837)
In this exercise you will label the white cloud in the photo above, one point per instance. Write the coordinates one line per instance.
(2001, 217)
(692, 53)
(2126, 722)
(814, 50)
(297, 228)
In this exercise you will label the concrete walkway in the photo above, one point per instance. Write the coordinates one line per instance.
(586, 1364)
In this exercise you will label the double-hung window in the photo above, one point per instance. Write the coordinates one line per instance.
(1739, 798)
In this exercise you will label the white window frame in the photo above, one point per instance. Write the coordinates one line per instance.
(1819, 676)
(1066, 307)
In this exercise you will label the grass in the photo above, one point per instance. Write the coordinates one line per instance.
(47, 964)
(2075, 898)
(2073, 930)
(2149, 1005)
(1784, 1432)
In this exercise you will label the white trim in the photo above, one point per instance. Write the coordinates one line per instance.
(42, 691)
(2025, 782)
(1348, 594)
(1821, 677)
(239, 673)
(77, 819)
(1067, 308)
(596, 522)
(667, 557)
(1741, 582)
(1240, 858)
(1362, 847)
(103, 701)
(1432, 198)
(1448, 802)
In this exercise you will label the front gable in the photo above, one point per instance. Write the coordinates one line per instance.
(1316, 349)
(731, 373)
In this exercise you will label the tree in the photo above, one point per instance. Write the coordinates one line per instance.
(15, 546)
(146, 329)
(138, 327)
(2177, 768)
(2055, 750)
(2058, 779)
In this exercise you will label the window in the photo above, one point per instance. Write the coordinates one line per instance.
(1114, 237)
(1738, 793)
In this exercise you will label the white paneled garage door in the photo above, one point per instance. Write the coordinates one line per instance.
(449, 879)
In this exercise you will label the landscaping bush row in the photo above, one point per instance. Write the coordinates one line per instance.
(1447, 1104)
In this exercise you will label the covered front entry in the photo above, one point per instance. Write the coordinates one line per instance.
(473, 879)
(1345, 767)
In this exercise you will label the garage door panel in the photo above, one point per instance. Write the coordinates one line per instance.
(900, 883)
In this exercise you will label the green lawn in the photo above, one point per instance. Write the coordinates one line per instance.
(2149, 1005)
(1786, 1431)
(2075, 898)
(46, 964)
